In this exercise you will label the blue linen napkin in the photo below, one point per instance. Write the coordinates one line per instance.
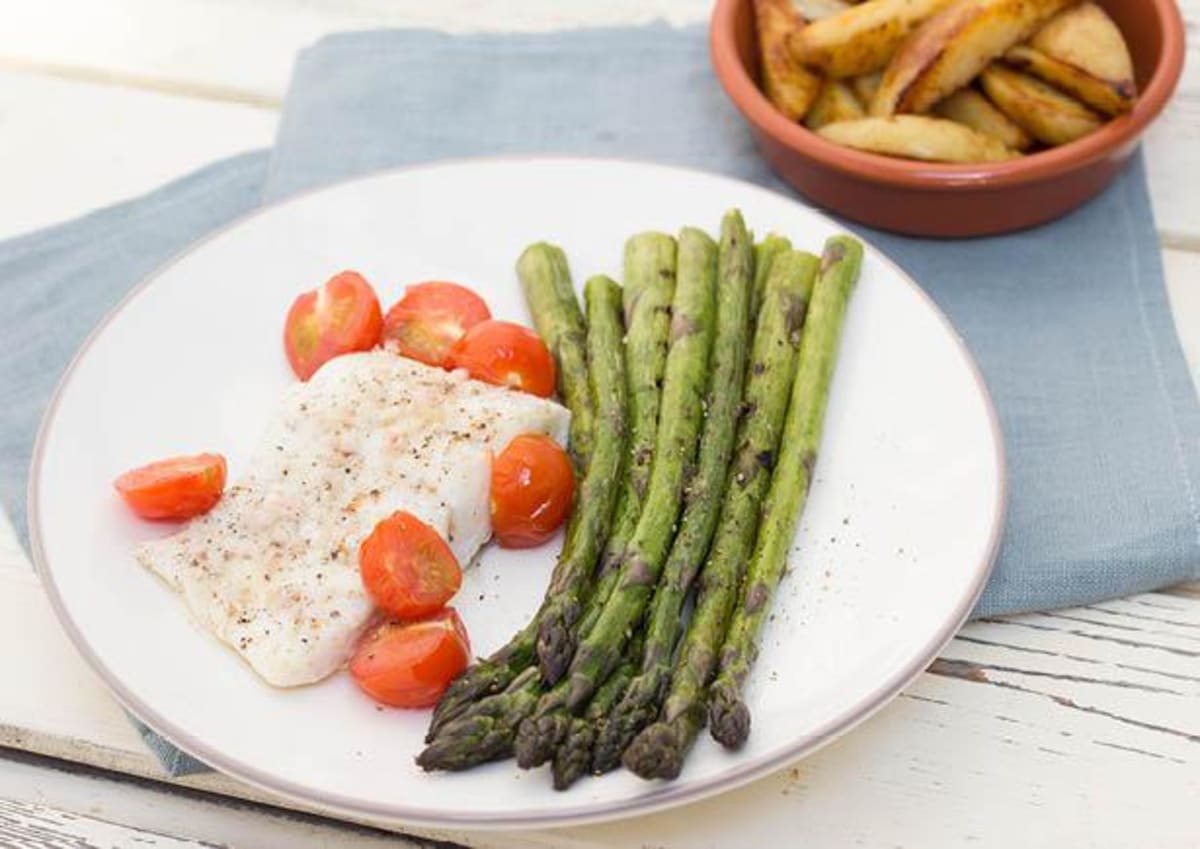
(1070, 322)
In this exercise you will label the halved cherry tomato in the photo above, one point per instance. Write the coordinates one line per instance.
(410, 664)
(430, 318)
(532, 488)
(506, 354)
(408, 569)
(178, 488)
(341, 317)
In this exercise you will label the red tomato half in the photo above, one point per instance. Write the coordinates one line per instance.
(506, 354)
(408, 569)
(410, 664)
(532, 488)
(341, 317)
(178, 488)
(430, 318)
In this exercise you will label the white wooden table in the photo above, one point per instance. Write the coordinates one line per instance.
(1078, 728)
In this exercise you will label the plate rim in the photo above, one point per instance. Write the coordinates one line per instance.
(671, 795)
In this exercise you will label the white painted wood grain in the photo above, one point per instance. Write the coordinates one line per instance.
(68, 147)
(27, 826)
(243, 52)
(169, 809)
(1084, 708)
(1080, 728)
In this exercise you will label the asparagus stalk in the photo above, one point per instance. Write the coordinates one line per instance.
(590, 520)
(546, 281)
(659, 749)
(572, 579)
(729, 719)
(639, 705)
(650, 276)
(483, 679)
(573, 758)
(679, 426)
(764, 254)
(486, 733)
(680, 421)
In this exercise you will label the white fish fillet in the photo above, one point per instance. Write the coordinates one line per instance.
(273, 569)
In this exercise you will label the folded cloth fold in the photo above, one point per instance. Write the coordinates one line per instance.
(1070, 322)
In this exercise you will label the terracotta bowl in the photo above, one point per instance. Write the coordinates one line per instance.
(931, 199)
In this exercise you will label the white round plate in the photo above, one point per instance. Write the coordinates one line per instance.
(894, 548)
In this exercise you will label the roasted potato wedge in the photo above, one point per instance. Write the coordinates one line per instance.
(952, 47)
(836, 102)
(917, 137)
(1086, 37)
(865, 86)
(1102, 95)
(816, 10)
(790, 86)
(862, 38)
(971, 109)
(1044, 112)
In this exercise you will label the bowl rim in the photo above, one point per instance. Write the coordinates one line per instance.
(763, 116)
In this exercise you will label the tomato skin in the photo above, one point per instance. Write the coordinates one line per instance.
(506, 354)
(430, 318)
(341, 317)
(174, 489)
(410, 664)
(407, 568)
(533, 485)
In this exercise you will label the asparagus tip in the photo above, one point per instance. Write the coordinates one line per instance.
(636, 709)
(555, 645)
(657, 752)
(539, 736)
(728, 717)
(573, 757)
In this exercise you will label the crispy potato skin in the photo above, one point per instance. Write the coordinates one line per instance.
(971, 109)
(1104, 96)
(917, 137)
(1086, 37)
(1044, 112)
(861, 39)
(953, 46)
(791, 87)
(836, 102)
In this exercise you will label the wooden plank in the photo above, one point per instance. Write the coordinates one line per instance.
(169, 809)
(244, 53)
(69, 147)
(247, 49)
(1103, 703)
(28, 826)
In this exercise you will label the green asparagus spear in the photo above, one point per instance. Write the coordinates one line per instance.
(485, 678)
(729, 719)
(573, 757)
(650, 266)
(650, 274)
(639, 706)
(486, 733)
(572, 579)
(764, 254)
(590, 518)
(550, 295)
(679, 426)
(659, 750)
(680, 421)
